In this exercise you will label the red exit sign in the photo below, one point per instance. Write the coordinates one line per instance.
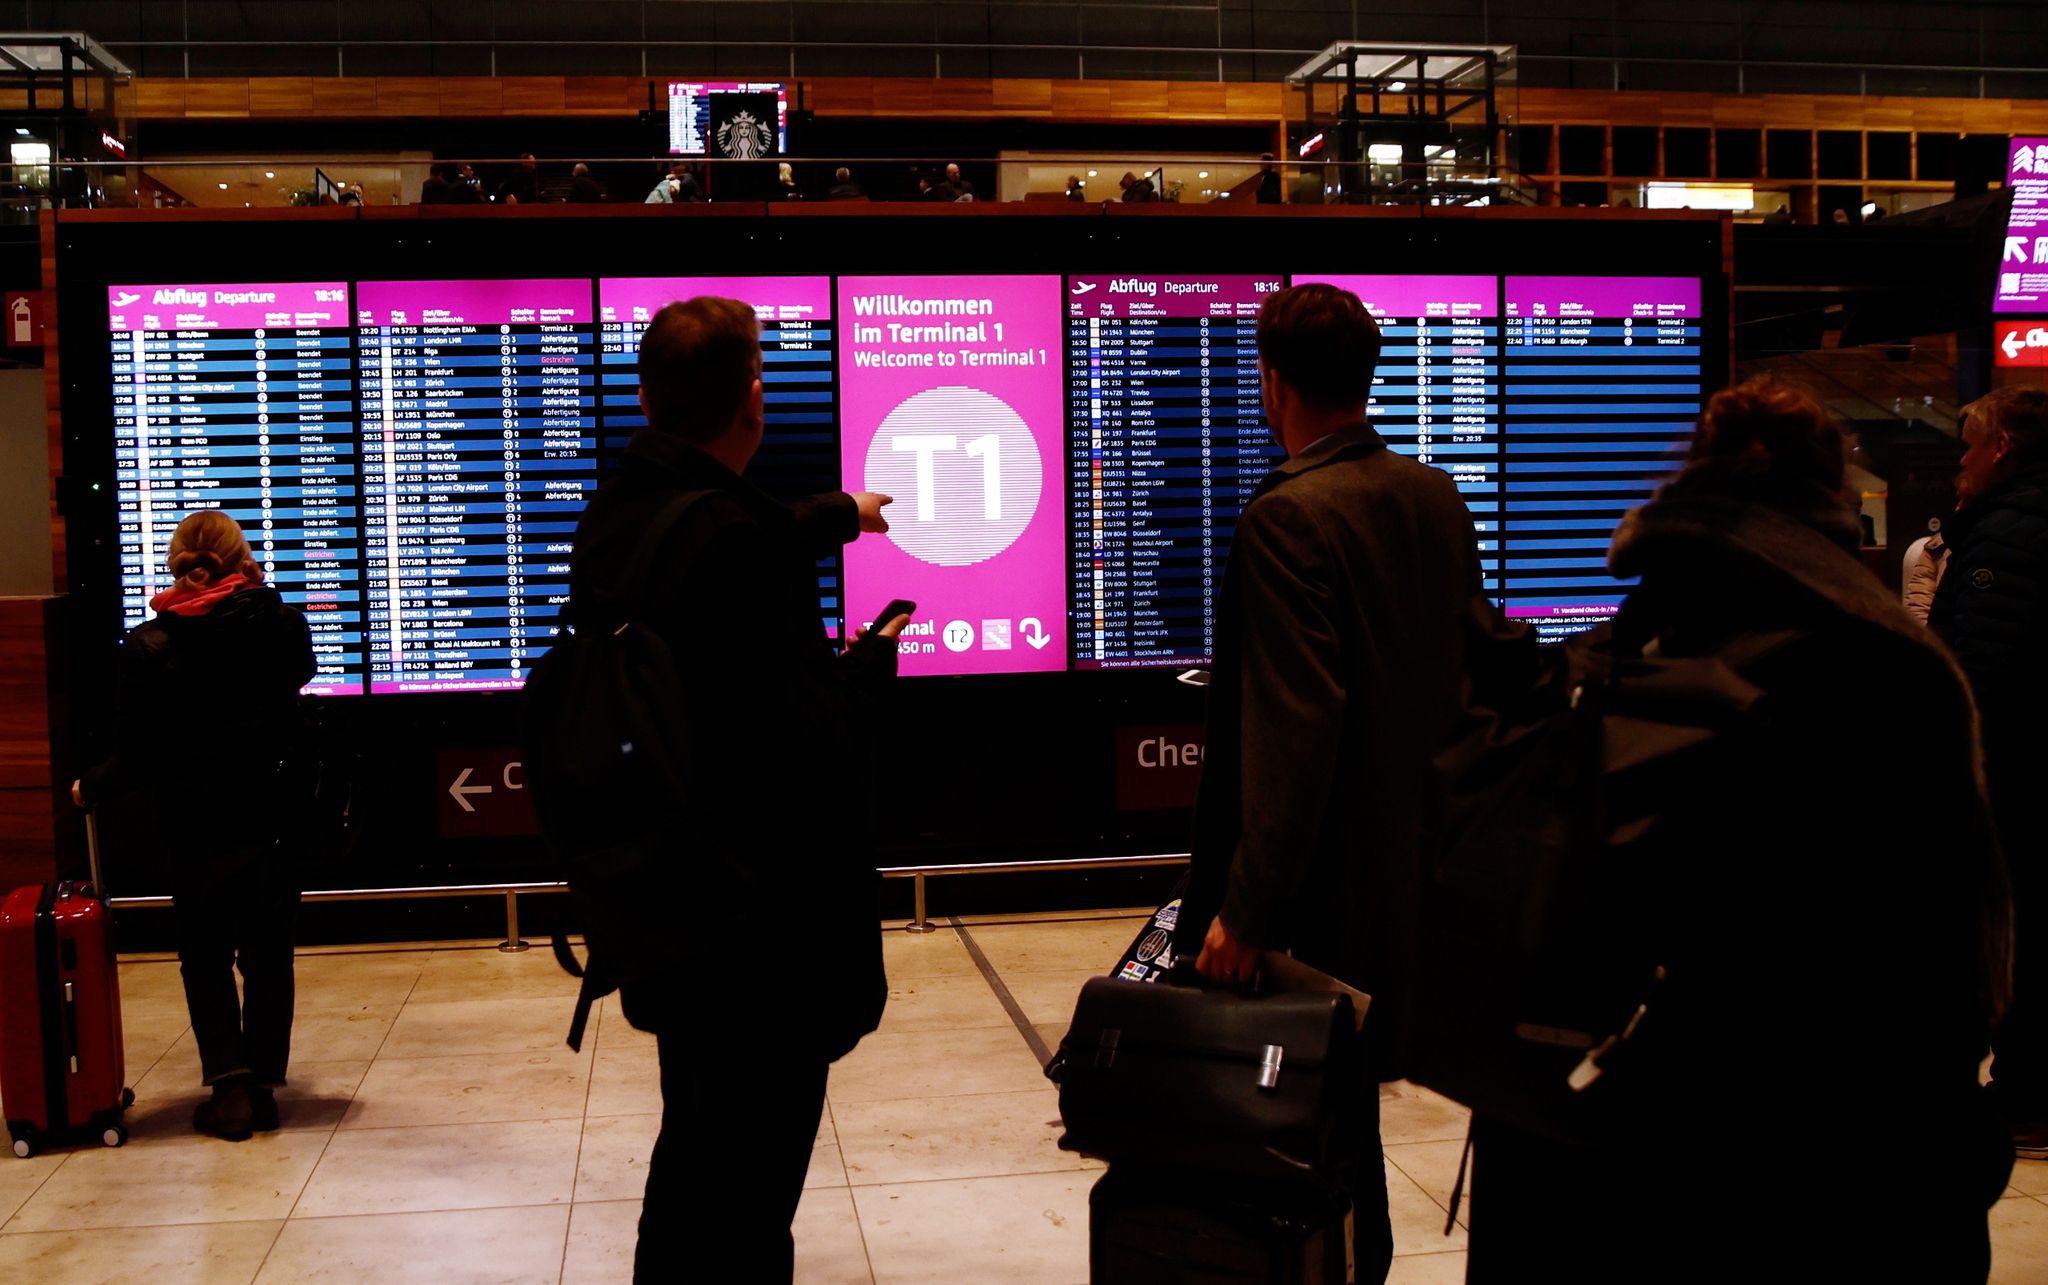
(2021, 343)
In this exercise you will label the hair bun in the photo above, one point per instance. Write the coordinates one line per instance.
(198, 564)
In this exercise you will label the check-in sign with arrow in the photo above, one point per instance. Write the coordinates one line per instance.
(482, 794)
(2021, 343)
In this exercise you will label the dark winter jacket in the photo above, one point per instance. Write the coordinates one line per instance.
(1992, 611)
(205, 714)
(784, 730)
(1838, 960)
(1337, 659)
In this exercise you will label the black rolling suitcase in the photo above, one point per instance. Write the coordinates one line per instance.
(1145, 1229)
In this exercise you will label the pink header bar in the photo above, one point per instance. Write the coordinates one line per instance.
(637, 299)
(293, 304)
(1196, 296)
(472, 303)
(1418, 296)
(1650, 297)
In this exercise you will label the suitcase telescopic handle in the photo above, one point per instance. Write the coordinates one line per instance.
(92, 854)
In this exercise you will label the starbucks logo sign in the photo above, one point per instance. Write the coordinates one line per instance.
(746, 137)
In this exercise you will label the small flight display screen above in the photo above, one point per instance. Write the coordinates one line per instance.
(690, 127)
(479, 430)
(1166, 441)
(241, 397)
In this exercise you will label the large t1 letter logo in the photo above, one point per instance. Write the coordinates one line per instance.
(971, 468)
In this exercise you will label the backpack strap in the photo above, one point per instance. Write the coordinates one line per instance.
(594, 988)
(597, 982)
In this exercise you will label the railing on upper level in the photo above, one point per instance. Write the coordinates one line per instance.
(233, 183)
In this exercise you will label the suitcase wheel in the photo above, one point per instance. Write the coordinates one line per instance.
(113, 1135)
(24, 1147)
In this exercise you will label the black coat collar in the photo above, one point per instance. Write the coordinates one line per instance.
(2027, 489)
(1345, 443)
(668, 461)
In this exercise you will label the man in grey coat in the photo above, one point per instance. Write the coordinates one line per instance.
(1336, 675)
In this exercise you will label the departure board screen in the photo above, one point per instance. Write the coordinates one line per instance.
(1602, 388)
(479, 432)
(1167, 439)
(242, 398)
(799, 453)
(1436, 390)
(1069, 455)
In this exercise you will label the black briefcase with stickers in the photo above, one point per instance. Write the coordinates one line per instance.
(1256, 1084)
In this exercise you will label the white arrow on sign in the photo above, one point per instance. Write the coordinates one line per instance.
(461, 787)
(2015, 249)
(1034, 632)
(2013, 346)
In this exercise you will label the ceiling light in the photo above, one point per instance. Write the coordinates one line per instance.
(1385, 152)
(1869, 208)
(19, 130)
(1091, 173)
(270, 173)
(223, 187)
(1203, 174)
(1399, 86)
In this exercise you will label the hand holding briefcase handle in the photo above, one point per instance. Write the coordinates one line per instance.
(1256, 1084)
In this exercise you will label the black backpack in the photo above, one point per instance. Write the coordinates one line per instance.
(1578, 802)
(606, 767)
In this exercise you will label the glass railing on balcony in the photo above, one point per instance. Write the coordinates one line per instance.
(408, 178)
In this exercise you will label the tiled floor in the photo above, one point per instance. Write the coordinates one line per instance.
(438, 1130)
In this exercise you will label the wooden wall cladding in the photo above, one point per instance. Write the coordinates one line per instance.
(33, 727)
(1208, 102)
(1784, 111)
(335, 98)
(483, 97)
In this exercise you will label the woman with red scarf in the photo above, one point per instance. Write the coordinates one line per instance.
(207, 716)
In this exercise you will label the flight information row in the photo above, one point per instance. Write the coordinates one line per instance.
(1069, 455)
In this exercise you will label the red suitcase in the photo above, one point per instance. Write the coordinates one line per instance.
(61, 1067)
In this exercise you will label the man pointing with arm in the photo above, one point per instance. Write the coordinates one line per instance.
(1337, 657)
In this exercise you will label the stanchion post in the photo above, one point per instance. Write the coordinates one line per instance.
(511, 945)
(920, 924)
